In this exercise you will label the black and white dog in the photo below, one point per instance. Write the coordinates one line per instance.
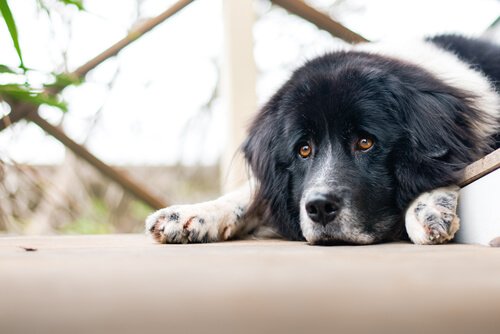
(358, 144)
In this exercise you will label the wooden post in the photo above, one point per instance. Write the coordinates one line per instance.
(238, 86)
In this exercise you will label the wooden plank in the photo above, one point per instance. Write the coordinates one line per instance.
(119, 177)
(321, 20)
(127, 284)
(480, 168)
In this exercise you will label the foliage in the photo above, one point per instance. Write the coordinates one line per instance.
(77, 3)
(87, 226)
(93, 222)
(13, 90)
(25, 93)
(139, 210)
(11, 25)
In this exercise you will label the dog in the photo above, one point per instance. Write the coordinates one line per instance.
(362, 145)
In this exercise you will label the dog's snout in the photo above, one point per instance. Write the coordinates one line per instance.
(322, 208)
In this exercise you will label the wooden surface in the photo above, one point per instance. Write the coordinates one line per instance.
(127, 284)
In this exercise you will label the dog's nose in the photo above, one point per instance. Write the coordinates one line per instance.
(322, 208)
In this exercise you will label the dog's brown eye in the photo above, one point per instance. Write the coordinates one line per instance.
(364, 144)
(305, 150)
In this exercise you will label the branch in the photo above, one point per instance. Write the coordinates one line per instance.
(119, 177)
(322, 21)
(133, 35)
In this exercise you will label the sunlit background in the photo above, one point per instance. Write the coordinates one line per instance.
(156, 109)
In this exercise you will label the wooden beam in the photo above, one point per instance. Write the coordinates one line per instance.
(21, 110)
(321, 20)
(119, 177)
(480, 168)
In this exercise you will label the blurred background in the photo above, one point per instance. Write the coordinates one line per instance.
(161, 112)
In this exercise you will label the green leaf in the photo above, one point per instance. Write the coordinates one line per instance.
(25, 94)
(11, 25)
(6, 69)
(77, 3)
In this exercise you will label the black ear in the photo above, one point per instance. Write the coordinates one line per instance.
(261, 148)
(438, 141)
(258, 147)
(265, 152)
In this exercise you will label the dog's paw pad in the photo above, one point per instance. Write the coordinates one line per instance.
(431, 219)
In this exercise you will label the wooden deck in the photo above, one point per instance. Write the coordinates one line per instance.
(127, 284)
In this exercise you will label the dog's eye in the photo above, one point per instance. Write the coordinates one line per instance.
(305, 150)
(364, 144)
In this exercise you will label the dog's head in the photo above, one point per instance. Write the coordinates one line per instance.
(344, 146)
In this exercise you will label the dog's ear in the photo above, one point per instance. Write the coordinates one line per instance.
(260, 147)
(264, 153)
(437, 142)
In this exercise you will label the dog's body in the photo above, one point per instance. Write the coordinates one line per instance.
(357, 142)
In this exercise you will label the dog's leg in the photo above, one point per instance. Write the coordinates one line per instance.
(211, 221)
(431, 218)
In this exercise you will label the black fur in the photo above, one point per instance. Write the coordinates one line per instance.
(423, 131)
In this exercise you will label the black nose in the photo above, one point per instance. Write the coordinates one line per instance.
(322, 208)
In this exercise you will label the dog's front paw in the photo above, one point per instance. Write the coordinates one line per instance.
(431, 218)
(196, 223)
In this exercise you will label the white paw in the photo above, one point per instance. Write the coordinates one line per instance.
(431, 218)
(196, 223)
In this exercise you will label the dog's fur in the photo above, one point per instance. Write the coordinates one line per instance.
(429, 108)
